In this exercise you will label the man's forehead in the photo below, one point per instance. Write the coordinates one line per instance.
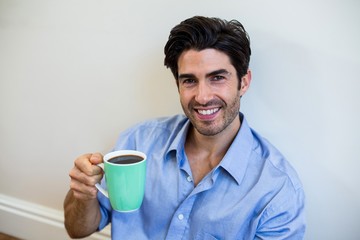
(203, 62)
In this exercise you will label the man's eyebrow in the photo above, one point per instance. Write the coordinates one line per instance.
(213, 73)
(186, 75)
(217, 72)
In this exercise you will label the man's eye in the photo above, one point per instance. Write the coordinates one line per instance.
(188, 81)
(217, 78)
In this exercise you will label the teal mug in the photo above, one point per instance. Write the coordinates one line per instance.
(125, 173)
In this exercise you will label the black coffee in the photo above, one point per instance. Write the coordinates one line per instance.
(126, 159)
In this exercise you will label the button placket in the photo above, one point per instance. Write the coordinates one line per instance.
(179, 221)
(189, 179)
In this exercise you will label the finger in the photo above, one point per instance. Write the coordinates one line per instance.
(76, 174)
(84, 164)
(83, 192)
(96, 158)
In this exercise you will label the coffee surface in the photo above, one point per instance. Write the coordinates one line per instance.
(126, 159)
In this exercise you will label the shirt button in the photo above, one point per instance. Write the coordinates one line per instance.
(180, 216)
(189, 179)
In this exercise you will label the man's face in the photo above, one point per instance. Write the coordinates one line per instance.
(208, 88)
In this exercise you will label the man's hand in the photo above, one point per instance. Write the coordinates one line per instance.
(81, 207)
(84, 175)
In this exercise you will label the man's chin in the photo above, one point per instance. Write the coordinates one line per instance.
(207, 130)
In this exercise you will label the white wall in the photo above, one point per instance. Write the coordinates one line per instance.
(73, 74)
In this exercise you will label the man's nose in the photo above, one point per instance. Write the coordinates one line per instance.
(203, 93)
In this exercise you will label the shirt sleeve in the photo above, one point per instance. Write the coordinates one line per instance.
(284, 218)
(105, 210)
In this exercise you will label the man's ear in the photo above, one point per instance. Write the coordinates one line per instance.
(245, 82)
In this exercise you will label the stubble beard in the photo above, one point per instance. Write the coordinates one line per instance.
(211, 128)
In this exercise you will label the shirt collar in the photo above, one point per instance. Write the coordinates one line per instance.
(177, 145)
(236, 158)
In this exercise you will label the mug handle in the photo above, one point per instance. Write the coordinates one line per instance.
(99, 187)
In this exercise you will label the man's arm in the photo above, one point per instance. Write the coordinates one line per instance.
(81, 207)
(284, 219)
(82, 217)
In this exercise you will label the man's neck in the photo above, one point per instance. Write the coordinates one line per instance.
(205, 152)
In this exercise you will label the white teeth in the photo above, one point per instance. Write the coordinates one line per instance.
(208, 112)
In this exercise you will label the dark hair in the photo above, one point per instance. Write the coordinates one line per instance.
(200, 33)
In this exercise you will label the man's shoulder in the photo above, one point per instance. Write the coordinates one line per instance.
(163, 123)
(276, 161)
(158, 132)
(163, 127)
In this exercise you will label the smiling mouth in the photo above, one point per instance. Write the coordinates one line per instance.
(208, 111)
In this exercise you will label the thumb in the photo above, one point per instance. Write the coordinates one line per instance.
(96, 158)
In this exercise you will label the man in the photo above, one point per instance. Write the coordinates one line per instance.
(209, 175)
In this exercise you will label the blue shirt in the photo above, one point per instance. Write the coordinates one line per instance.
(253, 193)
